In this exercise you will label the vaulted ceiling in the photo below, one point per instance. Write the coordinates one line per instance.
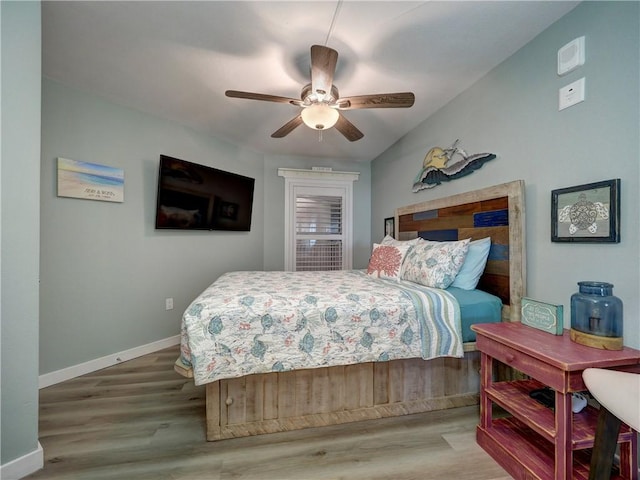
(175, 60)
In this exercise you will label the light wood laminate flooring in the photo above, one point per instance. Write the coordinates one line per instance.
(141, 420)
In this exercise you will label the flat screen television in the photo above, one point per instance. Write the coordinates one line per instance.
(197, 197)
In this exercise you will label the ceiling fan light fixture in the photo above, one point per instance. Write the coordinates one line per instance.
(320, 116)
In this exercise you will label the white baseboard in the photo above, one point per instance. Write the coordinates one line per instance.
(23, 466)
(68, 373)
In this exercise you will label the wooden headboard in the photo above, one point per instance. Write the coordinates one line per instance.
(496, 212)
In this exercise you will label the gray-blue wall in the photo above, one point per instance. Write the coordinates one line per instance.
(19, 223)
(105, 270)
(513, 112)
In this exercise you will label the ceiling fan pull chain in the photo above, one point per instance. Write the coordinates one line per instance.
(319, 136)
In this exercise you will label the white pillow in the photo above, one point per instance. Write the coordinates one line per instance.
(434, 264)
(386, 261)
(388, 240)
(473, 266)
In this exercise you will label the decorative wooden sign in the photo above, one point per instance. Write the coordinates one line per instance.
(543, 316)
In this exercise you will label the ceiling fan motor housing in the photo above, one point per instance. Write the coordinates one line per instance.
(308, 96)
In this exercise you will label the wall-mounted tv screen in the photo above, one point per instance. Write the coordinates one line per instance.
(197, 197)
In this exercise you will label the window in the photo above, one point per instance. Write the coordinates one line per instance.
(318, 229)
(318, 218)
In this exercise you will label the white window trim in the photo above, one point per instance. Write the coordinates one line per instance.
(312, 178)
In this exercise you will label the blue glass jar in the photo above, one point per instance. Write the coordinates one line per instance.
(596, 316)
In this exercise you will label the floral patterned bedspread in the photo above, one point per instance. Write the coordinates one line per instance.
(258, 322)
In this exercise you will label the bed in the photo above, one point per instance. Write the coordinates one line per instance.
(372, 345)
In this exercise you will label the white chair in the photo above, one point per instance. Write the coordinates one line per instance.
(618, 394)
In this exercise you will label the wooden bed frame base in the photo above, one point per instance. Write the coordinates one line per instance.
(283, 401)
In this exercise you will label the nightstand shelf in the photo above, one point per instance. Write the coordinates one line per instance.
(514, 397)
(519, 449)
(537, 442)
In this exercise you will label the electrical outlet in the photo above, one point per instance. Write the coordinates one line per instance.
(168, 303)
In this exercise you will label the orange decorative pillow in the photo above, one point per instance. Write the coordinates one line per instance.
(386, 261)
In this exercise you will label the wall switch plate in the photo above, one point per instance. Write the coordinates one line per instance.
(571, 94)
(168, 303)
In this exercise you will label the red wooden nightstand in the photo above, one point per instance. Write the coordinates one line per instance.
(536, 442)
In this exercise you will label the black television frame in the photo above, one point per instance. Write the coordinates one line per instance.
(192, 196)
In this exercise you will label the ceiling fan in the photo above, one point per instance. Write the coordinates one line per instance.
(321, 103)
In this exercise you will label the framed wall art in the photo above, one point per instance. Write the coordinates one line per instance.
(90, 181)
(587, 213)
(390, 227)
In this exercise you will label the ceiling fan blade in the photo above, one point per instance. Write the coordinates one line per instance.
(323, 67)
(348, 129)
(380, 100)
(288, 127)
(263, 97)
